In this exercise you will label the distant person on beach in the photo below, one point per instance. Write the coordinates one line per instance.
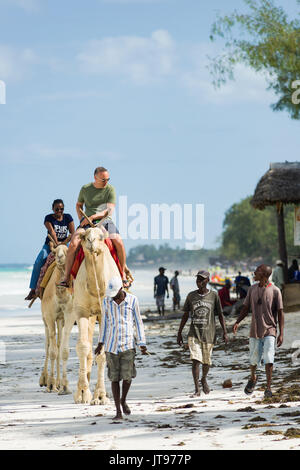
(293, 272)
(160, 288)
(203, 304)
(120, 315)
(174, 285)
(224, 295)
(278, 276)
(98, 197)
(242, 284)
(265, 301)
(58, 226)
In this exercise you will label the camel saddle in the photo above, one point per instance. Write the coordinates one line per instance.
(80, 257)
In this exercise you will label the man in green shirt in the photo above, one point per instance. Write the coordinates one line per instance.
(203, 304)
(97, 197)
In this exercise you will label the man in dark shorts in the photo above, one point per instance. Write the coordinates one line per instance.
(160, 288)
(98, 198)
(265, 301)
(203, 304)
(120, 315)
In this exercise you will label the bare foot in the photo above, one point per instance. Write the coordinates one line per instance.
(118, 417)
(31, 295)
(205, 386)
(196, 394)
(126, 409)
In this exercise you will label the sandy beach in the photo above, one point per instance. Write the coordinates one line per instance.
(164, 416)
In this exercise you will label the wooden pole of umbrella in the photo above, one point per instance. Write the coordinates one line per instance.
(282, 239)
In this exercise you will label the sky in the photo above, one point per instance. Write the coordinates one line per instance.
(124, 84)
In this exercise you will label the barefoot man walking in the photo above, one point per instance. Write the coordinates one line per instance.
(120, 314)
(266, 305)
(203, 304)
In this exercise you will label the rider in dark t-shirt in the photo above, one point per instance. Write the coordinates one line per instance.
(58, 225)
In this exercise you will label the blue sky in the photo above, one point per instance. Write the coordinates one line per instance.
(124, 84)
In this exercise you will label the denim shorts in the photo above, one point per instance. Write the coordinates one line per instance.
(262, 348)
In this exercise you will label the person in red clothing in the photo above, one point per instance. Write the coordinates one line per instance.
(224, 295)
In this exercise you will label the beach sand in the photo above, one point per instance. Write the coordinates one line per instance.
(164, 416)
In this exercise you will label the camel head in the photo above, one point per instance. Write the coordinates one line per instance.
(93, 240)
(60, 255)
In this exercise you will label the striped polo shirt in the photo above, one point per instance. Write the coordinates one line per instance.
(118, 322)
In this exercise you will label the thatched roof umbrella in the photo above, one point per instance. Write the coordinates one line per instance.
(279, 185)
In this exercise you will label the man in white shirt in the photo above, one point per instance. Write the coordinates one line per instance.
(120, 315)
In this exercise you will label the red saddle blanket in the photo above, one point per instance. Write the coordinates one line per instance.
(80, 257)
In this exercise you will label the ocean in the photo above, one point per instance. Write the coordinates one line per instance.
(14, 286)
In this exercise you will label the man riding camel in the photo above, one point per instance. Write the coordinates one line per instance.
(98, 198)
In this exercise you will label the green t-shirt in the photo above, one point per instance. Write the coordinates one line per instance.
(96, 199)
(203, 309)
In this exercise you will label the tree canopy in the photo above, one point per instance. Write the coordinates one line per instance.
(250, 233)
(267, 41)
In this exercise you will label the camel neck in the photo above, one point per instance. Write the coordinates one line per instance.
(95, 273)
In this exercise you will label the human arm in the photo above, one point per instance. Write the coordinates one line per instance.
(98, 349)
(107, 212)
(141, 339)
(102, 329)
(79, 205)
(223, 325)
(181, 326)
(281, 327)
(242, 315)
(71, 229)
(167, 289)
(51, 231)
(219, 312)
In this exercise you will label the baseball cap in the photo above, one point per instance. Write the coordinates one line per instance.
(162, 268)
(203, 274)
(113, 287)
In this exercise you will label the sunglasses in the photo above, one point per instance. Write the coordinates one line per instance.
(104, 180)
(58, 209)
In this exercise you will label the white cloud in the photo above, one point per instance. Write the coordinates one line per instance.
(15, 62)
(248, 86)
(36, 152)
(133, 1)
(141, 59)
(72, 95)
(28, 5)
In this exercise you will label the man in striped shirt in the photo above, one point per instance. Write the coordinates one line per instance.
(120, 315)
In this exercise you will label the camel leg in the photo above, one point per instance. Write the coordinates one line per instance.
(83, 394)
(51, 384)
(100, 397)
(44, 374)
(69, 322)
(59, 335)
(92, 321)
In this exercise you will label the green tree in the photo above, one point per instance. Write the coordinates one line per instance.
(265, 40)
(250, 233)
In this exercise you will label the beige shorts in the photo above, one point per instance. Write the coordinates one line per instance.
(200, 351)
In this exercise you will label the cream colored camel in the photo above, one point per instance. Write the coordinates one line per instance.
(57, 311)
(89, 289)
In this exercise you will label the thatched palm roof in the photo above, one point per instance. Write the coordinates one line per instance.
(281, 183)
